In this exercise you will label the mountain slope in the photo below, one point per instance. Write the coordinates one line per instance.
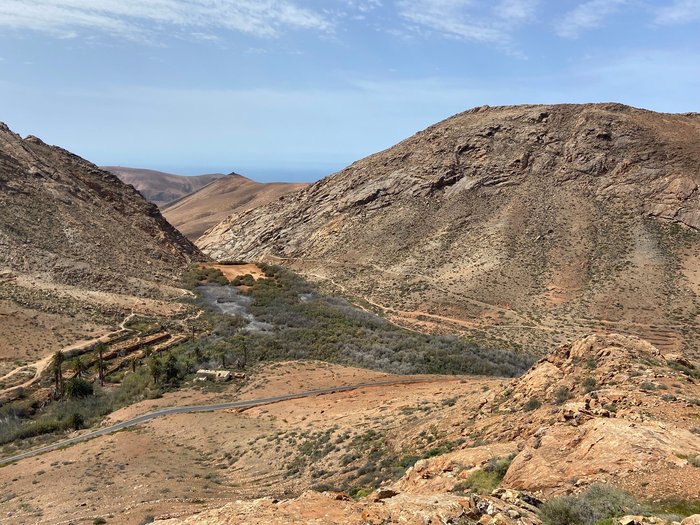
(532, 223)
(196, 213)
(77, 248)
(159, 187)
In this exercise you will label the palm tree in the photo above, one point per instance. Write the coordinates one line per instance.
(79, 368)
(100, 363)
(56, 364)
(156, 369)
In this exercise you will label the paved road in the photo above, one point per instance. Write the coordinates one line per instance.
(206, 408)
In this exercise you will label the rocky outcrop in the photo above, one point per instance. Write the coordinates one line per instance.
(531, 223)
(501, 508)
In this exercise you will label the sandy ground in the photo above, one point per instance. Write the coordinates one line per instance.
(26, 335)
(231, 271)
(179, 464)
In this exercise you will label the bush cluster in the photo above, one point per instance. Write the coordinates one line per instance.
(595, 504)
(308, 325)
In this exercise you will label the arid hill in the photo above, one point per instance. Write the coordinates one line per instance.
(77, 247)
(196, 213)
(534, 224)
(161, 188)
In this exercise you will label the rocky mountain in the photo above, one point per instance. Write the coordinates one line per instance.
(77, 247)
(195, 213)
(534, 224)
(161, 188)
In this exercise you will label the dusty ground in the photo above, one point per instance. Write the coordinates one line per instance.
(38, 317)
(180, 464)
(231, 271)
(30, 334)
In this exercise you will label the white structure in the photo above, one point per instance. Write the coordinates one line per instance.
(215, 375)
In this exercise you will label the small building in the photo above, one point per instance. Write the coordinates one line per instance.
(219, 376)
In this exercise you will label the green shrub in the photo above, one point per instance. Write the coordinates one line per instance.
(479, 481)
(78, 387)
(562, 395)
(76, 421)
(532, 404)
(243, 280)
(360, 492)
(595, 504)
(500, 466)
(485, 480)
(675, 509)
(408, 461)
(561, 511)
(589, 384)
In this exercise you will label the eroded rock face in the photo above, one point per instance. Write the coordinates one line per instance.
(532, 223)
(600, 449)
(311, 508)
(67, 221)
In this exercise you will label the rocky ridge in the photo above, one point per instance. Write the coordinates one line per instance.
(530, 223)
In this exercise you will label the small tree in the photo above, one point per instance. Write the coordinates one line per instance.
(77, 421)
(56, 365)
(171, 370)
(79, 368)
(100, 362)
(155, 368)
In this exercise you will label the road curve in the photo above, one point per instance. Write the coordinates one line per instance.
(209, 408)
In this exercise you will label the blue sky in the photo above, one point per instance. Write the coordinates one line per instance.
(296, 89)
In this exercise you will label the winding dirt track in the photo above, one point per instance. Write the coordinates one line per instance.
(210, 408)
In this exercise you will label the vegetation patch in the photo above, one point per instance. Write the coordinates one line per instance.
(591, 507)
(309, 325)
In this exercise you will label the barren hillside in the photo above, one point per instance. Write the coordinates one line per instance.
(77, 248)
(196, 213)
(533, 223)
(161, 188)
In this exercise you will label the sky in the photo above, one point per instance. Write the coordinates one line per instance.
(298, 89)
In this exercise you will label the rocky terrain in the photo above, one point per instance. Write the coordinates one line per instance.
(77, 248)
(158, 187)
(532, 224)
(196, 213)
(610, 409)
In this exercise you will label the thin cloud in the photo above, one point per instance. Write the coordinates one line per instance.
(588, 15)
(139, 19)
(516, 9)
(467, 19)
(679, 12)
